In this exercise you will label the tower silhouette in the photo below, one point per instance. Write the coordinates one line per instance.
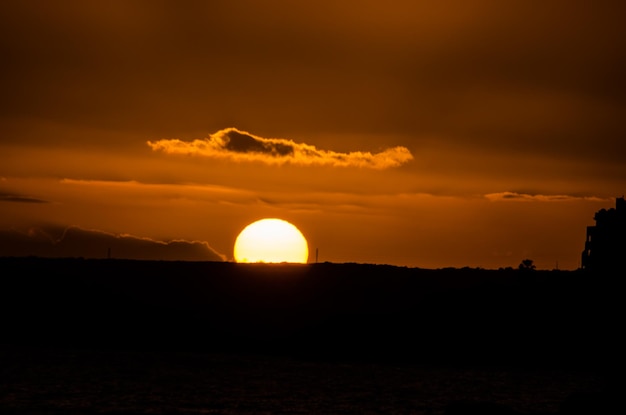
(605, 245)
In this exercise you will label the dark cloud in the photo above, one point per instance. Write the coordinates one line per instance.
(236, 145)
(78, 242)
(13, 197)
(246, 143)
(524, 197)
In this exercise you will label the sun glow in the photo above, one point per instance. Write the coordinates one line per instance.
(271, 240)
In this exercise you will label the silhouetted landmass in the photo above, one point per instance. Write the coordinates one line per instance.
(346, 311)
(73, 241)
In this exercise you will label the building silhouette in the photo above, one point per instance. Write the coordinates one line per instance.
(605, 245)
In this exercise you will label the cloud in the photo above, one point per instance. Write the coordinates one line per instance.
(524, 197)
(232, 144)
(77, 242)
(14, 197)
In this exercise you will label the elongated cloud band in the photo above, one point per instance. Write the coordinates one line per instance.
(238, 145)
(523, 197)
(14, 197)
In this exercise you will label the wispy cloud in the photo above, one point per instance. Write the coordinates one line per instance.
(134, 190)
(524, 197)
(232, 144)
(14, 197)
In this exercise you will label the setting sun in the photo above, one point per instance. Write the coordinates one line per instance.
(271, 240)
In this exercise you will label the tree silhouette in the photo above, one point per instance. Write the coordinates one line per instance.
(527, 265)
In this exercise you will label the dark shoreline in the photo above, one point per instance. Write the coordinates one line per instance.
(328, 310)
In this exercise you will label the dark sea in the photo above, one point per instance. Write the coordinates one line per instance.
(78, 381)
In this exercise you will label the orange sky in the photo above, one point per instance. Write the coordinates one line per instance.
(454, 133)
